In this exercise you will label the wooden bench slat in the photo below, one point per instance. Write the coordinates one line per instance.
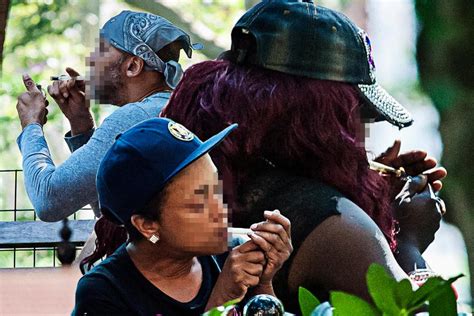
(42, 234)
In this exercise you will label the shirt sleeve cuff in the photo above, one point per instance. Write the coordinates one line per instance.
(29, 129)
(77, 141)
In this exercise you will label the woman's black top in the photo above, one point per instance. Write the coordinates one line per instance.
(116, 287)
(305, 201)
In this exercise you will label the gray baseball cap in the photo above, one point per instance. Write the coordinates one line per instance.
(143, 35)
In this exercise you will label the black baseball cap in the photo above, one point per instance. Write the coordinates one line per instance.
(300, 38)
(143, 160)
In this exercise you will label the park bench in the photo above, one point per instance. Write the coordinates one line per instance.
(41, 234)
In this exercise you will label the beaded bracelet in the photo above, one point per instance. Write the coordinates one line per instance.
(420, 276)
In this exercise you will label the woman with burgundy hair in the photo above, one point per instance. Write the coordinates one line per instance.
(301, 85)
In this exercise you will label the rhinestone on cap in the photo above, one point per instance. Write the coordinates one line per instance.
(390, 108)
(368, 50)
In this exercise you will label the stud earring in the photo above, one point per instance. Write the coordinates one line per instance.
(154, 238)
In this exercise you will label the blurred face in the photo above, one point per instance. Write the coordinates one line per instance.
(193, 217)
(106, 79)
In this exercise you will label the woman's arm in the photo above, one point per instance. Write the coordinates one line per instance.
(337, 253)
(418, 212)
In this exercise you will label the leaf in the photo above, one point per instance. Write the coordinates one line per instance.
(347, 304)
(403, 294)
(231, 303)
(429, 290)
(444, 304)
(213, 312)
(222, 310)
(382, 289)
(308, 302)
(421, 295)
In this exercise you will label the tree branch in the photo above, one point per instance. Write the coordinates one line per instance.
(4, 8)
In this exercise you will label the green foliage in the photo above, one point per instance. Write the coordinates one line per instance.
(217, 15)
(382, 289)
(348, 304)
(308, 302)
(221, 310)
(443, 47)
(397, 298)
(34, 19)
(443, 304)
(391, 298)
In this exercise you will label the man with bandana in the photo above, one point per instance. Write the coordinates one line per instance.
(135, 67)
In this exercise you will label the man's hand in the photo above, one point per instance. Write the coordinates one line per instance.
(31, 105)
(414, 162)
(71, 98)
(273, 236)
(242, 269)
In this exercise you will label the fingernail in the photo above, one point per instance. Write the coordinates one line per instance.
(253, 226)
(276, 211)
(267, 213)
(422, 177)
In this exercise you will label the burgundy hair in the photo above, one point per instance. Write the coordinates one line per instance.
(109, 237)
(312, 126)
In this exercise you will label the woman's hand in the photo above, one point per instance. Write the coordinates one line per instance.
(418, 211)
(273, 236)
(242, 269)
(414, 162)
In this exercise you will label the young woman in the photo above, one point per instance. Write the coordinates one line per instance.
(300, 82)
(159, 182)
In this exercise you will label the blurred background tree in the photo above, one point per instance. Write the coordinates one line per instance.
(445, 52)
(4, 7)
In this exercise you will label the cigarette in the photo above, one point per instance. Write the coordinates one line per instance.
(387, 170)
(65, 77)
(239, 232)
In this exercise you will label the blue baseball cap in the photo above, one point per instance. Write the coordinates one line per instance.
(143, 160)
(143, 35)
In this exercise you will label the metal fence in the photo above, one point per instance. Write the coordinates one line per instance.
(16, 207)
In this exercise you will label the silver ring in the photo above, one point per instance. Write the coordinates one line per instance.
(442, 206)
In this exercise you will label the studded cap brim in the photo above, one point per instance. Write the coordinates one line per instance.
(389, 108)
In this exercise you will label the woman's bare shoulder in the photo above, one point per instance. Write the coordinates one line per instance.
(338, 252)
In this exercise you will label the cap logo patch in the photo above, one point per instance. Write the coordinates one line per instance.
(368, 50)
(180, 132)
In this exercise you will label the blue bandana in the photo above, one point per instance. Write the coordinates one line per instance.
(144, 34)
